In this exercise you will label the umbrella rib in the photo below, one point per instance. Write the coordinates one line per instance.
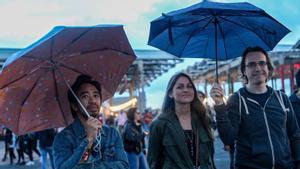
(56, 96)
(104, 49)
(21, 77)
(199, 30)
(191, 23)
(12, 82)
(223, 38)
(30, 91)
(228, 13)
(233, 22)
(92, 51)
(33, 57)
(241, 40)
(70, 68)
(192, 34)
(74, 40)
(24, 100)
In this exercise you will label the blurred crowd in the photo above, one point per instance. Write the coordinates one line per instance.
(18, 147)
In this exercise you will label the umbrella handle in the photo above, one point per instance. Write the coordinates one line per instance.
(79, 102)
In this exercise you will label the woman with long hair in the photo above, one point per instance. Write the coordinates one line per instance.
(134, 143)
(181, 136)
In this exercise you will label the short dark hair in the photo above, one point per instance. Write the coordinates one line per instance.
(255, 49)
(297, 76)
(81, 79)
(130, 113)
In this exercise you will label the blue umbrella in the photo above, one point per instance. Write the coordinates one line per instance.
(215, 30)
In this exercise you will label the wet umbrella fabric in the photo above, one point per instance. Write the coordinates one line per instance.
(215, 30)
(33, 81)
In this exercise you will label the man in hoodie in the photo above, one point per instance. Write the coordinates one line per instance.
(295, 97)
(258, 119)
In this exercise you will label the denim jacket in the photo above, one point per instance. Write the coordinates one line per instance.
(71, 143)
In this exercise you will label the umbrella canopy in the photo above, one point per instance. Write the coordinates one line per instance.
(215, 30)
(34, 81)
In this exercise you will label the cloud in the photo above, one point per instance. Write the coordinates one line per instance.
(28, 20)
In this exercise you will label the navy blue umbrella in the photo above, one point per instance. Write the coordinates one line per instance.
(215, 30)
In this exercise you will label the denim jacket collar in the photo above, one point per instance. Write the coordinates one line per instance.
(78, 128)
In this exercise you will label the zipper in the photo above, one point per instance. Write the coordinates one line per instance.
(267, 126)
(269, 133)
(270, 140)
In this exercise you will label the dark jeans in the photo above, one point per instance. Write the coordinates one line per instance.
(231, 154)
(44, 152)
(11, 155)
(137, 161)
(21, 158)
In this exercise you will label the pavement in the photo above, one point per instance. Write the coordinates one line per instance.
(221, 158)
(6, 164)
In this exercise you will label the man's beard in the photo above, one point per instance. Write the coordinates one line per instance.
(95, 115)
(92, 114)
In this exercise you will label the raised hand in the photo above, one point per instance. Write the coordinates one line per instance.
(217, 94)
(92, 127)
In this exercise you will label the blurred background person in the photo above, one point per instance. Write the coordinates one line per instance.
(10, 139)
(209, 108)
(110, 121)
(5, 143)
(20, 146)
(46, 138)
(295, 97)
(121, 120)
(30, 142)
(134, 142)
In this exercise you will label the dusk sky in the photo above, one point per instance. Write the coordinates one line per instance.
(24, 22)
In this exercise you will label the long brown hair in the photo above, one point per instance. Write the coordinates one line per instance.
(197, 107)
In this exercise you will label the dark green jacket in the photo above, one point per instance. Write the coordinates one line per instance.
(167, 147)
